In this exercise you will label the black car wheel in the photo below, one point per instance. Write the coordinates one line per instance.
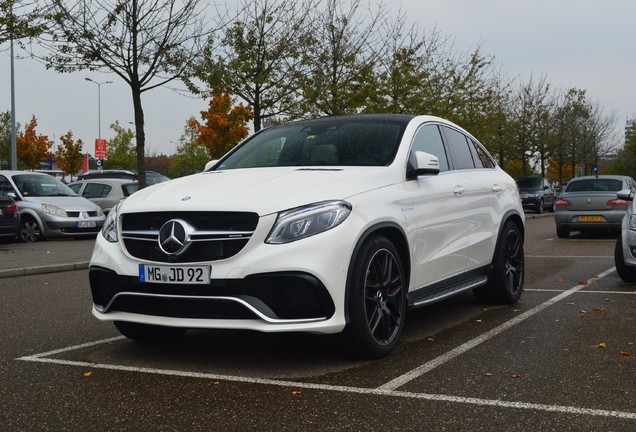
(563, 233)
(505, 283)
(29, 230)
(625, 272)
(377, 300)
(149, 333)
(539, 207)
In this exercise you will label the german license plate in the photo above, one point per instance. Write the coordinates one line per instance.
(85, 224)
(174, 274)
(590, 219)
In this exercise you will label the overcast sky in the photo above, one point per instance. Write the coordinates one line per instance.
(573, 43)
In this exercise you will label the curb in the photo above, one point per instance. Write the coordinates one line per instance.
(53, 268)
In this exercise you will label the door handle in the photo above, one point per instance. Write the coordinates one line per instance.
(459, 190)
(497, 189)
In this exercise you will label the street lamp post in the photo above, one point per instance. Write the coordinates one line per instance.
(99, 105)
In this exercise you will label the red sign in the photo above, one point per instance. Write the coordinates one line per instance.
(100, 148)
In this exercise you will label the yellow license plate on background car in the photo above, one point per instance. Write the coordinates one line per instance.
(590, 219)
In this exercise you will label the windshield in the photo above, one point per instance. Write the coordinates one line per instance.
(595, 185)
(529, 183)
(330, 142)
(33, 185)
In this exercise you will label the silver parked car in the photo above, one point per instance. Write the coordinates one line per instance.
(105, 192)
(48, 208)
(590, 204)
(625, 251)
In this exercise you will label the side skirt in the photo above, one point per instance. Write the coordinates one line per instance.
(448, 288)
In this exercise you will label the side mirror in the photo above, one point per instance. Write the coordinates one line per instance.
(12, 195)
(626, 194)
(210, 165)
(425, 164)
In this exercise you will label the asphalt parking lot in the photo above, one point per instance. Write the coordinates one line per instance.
(562, 359)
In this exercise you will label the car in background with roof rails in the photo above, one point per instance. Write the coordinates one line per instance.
(105, 192)
(152, 177)
(48, 208)
(9, 218)
(537, 193)
(590, 204)
(330, 225)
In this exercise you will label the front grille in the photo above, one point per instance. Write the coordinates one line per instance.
(76, 214)
(216, 236)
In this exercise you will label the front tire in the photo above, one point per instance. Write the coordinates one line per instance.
(377, 300)
(625, 272)
(30, 231)
(149, 333)
(539, 207)
(505, 283)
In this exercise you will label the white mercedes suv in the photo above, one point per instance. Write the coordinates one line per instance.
(330, 225)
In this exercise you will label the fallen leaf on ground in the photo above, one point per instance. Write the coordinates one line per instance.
(583, 283)
(625, 353)
(515, 376)
(560, 280)
(601, 345)
(570, 304)
(296, 393)
(599, 308)
(88, 373)
(488, 374)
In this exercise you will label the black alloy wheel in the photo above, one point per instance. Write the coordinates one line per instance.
(505, 283)
(377, 300)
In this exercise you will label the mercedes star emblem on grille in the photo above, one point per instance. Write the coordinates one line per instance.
(174, 237)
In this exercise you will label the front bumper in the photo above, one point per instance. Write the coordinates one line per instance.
(71, 227)
(298, 286)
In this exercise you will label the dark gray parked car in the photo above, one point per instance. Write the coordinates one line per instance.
(591, 204)
(9, 219)
(537, 193)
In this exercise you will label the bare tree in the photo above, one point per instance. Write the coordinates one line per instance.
(340, 58)
(258, 56)
(147, 43)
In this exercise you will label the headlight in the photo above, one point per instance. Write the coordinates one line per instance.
(53, 210)
(109, 230)
(302, 222)
(100, 212)
(632, 223)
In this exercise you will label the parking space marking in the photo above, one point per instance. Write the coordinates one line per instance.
(41, 358)
(429, 366)
(569, 256)
(583, 291)
(389, 389)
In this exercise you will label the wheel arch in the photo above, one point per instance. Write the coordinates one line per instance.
(514, 217)
(395, 234)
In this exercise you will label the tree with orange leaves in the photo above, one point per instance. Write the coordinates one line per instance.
(224, 125)
(68, 156)
(30, 147)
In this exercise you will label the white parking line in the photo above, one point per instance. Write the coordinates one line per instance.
(388, 389)
(569, 256)
(429, 366)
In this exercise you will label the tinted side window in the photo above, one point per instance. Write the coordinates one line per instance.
(459, 150)
(96, 190)
(480, 156)
(428, 139)
(5, 186)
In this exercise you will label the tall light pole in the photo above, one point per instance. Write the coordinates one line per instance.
(99, 105)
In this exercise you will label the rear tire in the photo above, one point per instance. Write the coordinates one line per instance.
(505, 283)
(625, 272)
(539, 207)
(376, 300)
(563, 233)
(149, 333)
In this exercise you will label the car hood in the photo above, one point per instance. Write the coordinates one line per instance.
(68, 203)
(260, 190)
